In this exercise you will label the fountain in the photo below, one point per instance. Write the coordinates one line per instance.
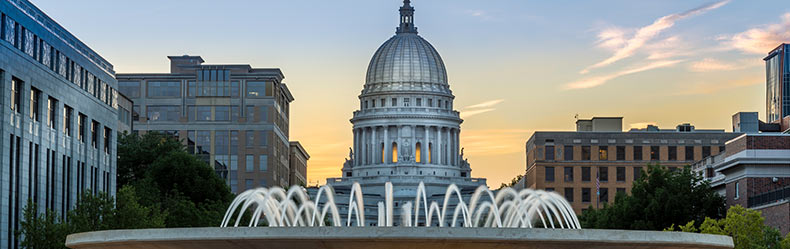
(506, 218)
(507, 209)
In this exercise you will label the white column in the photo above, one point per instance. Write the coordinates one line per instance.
(356, 147)
(427, 145)
(439, 144)
(373, 146)
(386, 142)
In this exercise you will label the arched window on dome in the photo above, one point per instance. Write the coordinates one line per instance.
(418, 153)
(394, 152)
(383, 153)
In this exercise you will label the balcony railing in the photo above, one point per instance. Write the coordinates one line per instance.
(769, 197)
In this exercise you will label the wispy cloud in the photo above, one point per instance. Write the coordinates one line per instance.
(494, 141)
(485, 104)
(628, 46)
(717, 86)
(484, 107)
(600, 80)
(713, 65)
(762, 39)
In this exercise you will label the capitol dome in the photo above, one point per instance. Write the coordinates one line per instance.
(406, 57)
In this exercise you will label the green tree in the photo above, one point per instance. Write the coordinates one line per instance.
(746, 228)
(136, 153)
(130, 214)
(41, 231)
(659, 199)
(512, 183)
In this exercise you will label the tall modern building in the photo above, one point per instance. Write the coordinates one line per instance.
(589, 166)
(777, 78)
(405, 131)
(234, 117)
(59, 117)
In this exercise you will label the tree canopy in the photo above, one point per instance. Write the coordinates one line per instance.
(659, 198)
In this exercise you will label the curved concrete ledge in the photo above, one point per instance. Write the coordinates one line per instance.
(391, 237)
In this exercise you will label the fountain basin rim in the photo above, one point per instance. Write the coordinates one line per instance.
(384, 236)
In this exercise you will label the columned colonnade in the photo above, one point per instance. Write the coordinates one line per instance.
(379, 144)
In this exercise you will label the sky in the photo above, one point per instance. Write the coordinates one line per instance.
(515, 66)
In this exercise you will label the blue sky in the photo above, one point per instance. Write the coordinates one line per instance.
(515, 66)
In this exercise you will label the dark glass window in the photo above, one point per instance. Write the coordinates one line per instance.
(81, 119)
(724, 148)
(604, 196)
(568, 173)
(620, 174)
(95, 134)
(549, 152)
(107, 139)
(585, 174)
(549, 189)
(586, 195)
(569, 194)
(586, 153)
(603, 174)
(258, 89)
(16, 95)
(164, 113)
(35, 98)
(67, 113)
(672, 153)
(637, 173)
(222, 113)
(568, 154)
(620, 153)
(655, 153)
(637, 153)
(689, 153)
(705, 151)
(131, 88)
(250, 138)
(549, 174)
(395, 102)
(164, 89)
(603, 153)
(52, 105)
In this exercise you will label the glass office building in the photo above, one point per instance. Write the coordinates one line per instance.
(233, 117)
(58, 121)
(777, 78)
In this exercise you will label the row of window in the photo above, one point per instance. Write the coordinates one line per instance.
(66, 123)
(172, 113)
(602, 174)
(34, 46)
(172, 89)
(224, 142)
(406, 102)
(586, 194)
(620, 152)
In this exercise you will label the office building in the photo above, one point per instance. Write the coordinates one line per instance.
(590, 165)
(777, 78)
(59, 117)
(233, 117)
(298, 164)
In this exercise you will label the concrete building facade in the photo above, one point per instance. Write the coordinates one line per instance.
(233, 117)
(588, 167)
(58, 120)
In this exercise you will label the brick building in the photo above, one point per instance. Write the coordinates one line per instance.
(599, 152)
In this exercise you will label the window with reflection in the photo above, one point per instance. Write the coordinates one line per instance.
(164, 89)
(159, 113)
(129, 88)
(258, 89)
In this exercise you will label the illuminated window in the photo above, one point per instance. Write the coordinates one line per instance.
(394, 152)
(418, 153)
